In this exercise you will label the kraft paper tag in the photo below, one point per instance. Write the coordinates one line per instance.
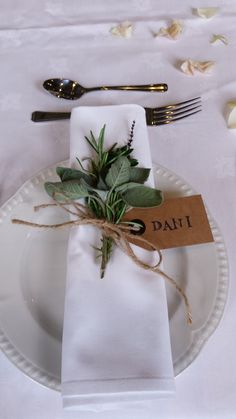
(177, 222)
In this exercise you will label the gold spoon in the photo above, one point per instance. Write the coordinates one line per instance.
(69, 89)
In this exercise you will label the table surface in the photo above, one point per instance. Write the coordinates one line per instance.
(39, 40)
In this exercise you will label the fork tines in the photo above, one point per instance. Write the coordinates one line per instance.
(171, 113)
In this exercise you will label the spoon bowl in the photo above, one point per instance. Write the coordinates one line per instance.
(71, 90)
(64, 88)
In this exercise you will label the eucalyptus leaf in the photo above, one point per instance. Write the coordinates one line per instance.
(101, 193)
(142, 197)
(70, 190)
(139, 174)
(110, 182)
(125, 186)
(61, 170)
(118, 173)
(67, 173)
(101, 184)
(133, 162)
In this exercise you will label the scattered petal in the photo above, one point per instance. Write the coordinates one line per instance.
(172, 32)
(204, 66)
(219, 38)
(189, 66)
(124, 30)
(206, 12)
(231, 117)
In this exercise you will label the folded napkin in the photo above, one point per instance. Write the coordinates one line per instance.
(116, 344)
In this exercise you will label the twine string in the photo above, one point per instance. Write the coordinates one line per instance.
(121, 235)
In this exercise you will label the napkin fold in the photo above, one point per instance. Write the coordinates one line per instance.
(116, 344)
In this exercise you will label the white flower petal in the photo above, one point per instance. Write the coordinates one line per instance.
(189, 66)
(124, 30)
(219, 38)
(231, 117)
(172, 32)
(204, 66)
(206, 12)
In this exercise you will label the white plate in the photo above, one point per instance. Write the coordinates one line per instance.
(32, 283)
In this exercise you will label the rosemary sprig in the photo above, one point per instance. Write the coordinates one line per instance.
(110, 185)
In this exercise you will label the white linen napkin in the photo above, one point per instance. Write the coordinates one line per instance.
(116, 344)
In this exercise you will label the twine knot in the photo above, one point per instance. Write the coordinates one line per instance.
(120, 233)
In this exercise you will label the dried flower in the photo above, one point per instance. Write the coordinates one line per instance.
(219, 38)
(172, 32)
(123, 30)
(206, 12)
(189, 66)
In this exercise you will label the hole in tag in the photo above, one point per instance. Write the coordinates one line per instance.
(142, 228)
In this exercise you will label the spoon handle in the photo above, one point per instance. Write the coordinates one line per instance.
(161, 87)
(41, 116)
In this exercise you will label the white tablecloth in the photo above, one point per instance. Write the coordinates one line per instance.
(71, 39)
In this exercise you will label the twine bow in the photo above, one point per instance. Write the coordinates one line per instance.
(120, 233)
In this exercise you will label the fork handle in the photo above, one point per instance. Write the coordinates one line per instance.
(41, 116)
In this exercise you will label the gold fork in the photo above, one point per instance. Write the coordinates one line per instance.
(171, 113)
(154, 116)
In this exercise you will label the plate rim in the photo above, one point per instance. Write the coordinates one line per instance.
(200, 337)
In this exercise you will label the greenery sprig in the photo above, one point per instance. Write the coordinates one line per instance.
(110, 185)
